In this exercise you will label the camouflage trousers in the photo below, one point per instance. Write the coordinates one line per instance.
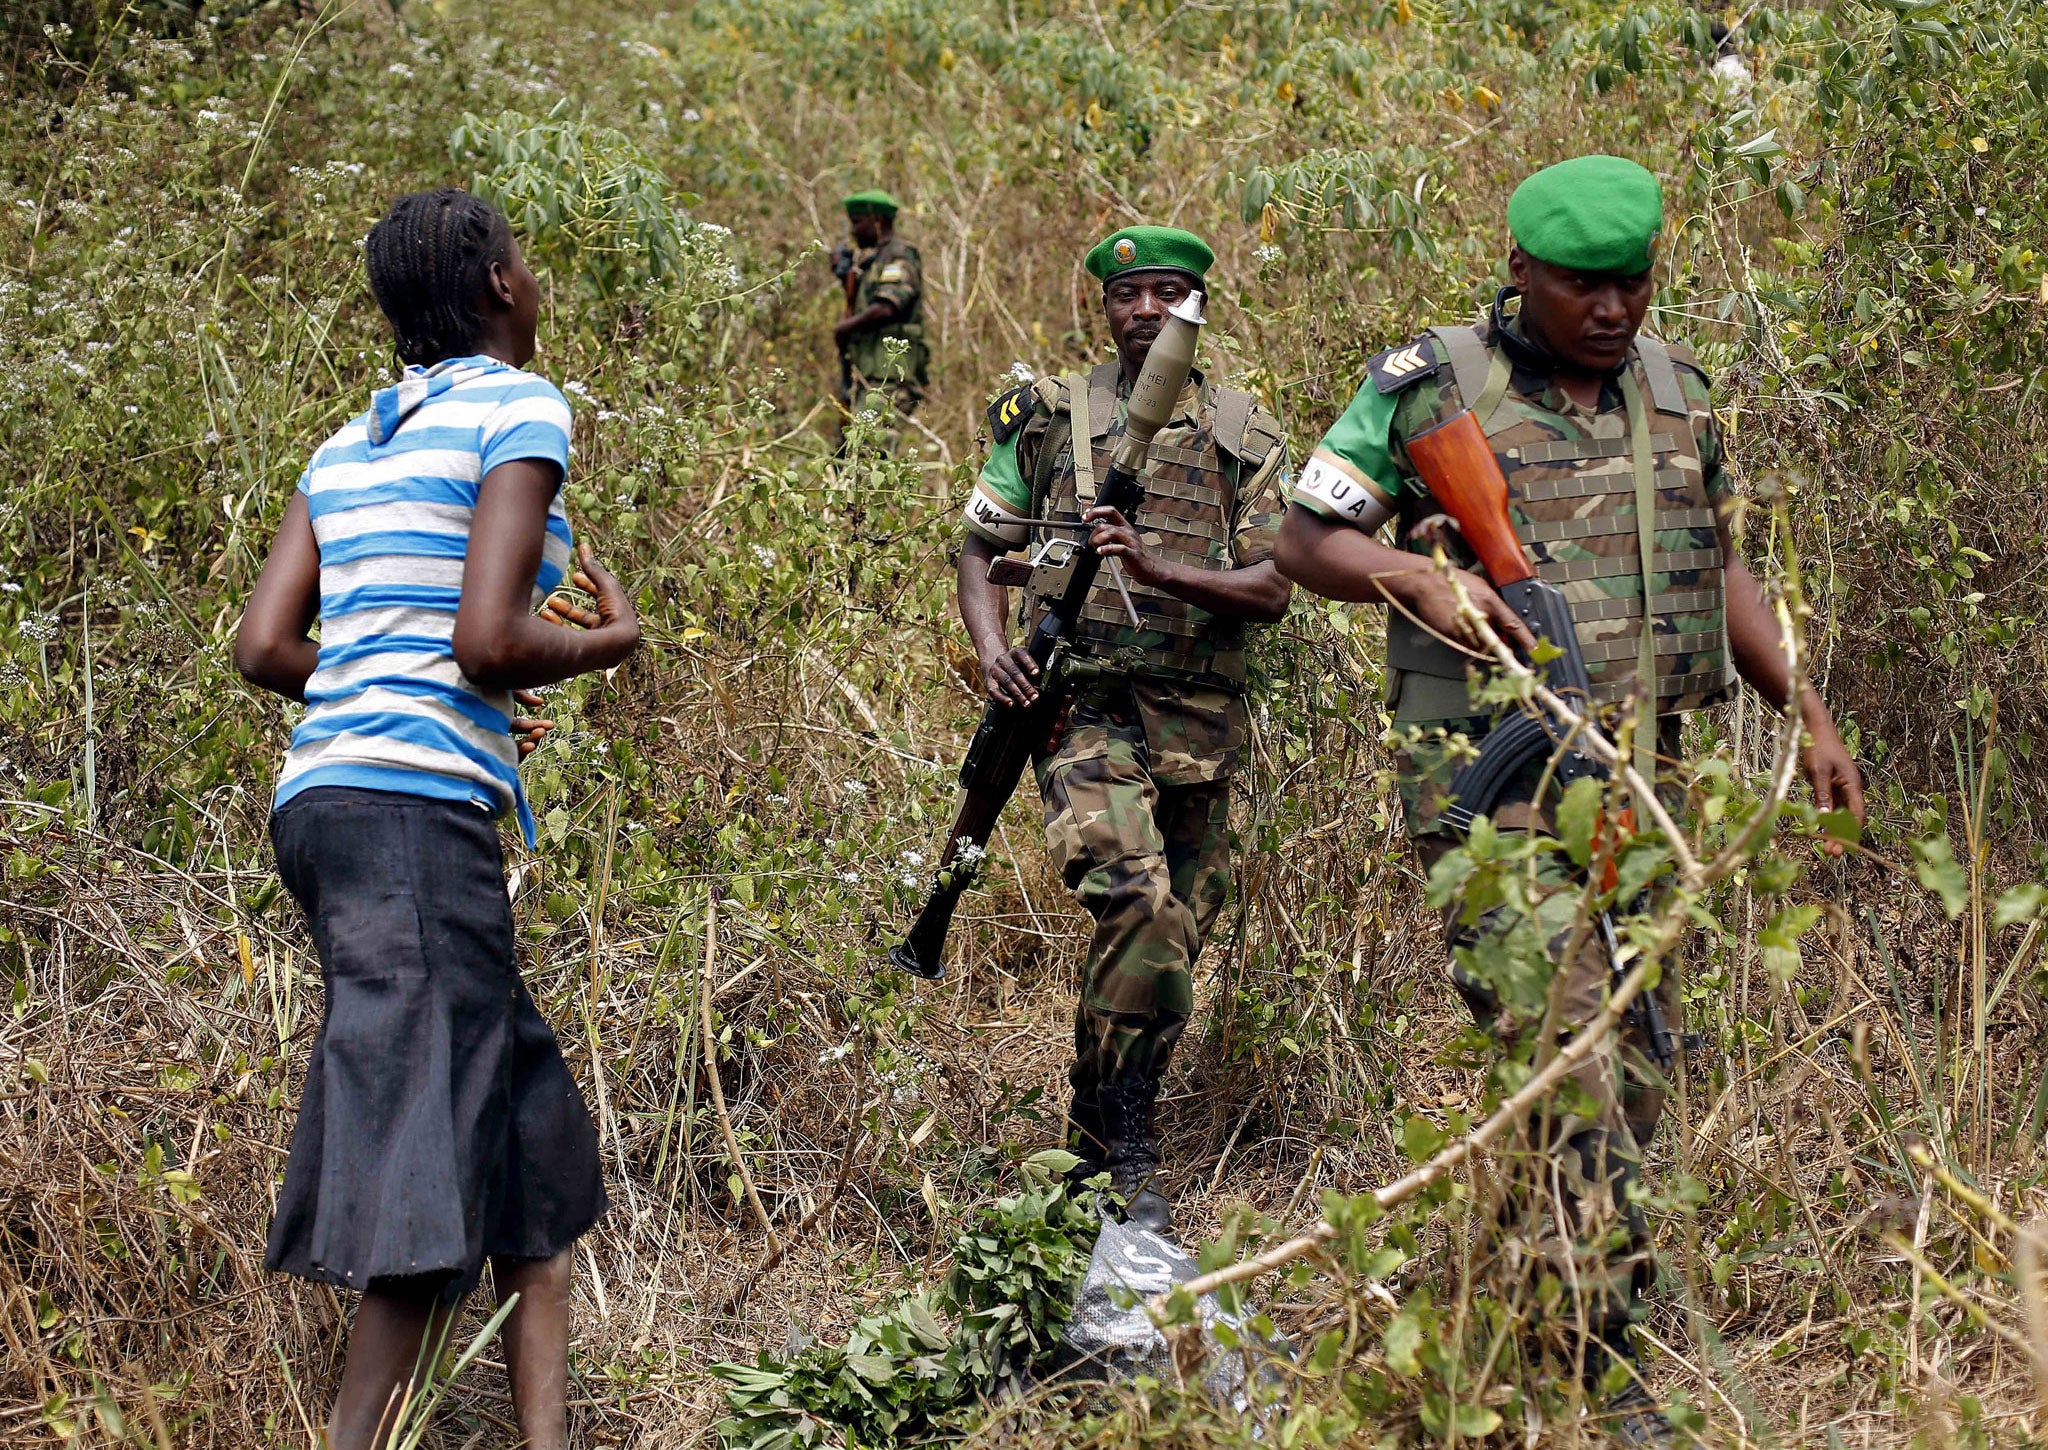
(1151, 863)
(1578, 1222)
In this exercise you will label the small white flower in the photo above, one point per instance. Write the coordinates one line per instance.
(764, 556)
(915, 858)
(1020, 372)
(691, 115)
(1267, 253)
(10, 587)
(576, 388)
(856, 787)
(131, 408)
(778, 800)
(909, 880)
(605, 415)
(400, 69)
(835, 1054)
(849, 877)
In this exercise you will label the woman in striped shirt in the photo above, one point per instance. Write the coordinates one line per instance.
(439, 1126)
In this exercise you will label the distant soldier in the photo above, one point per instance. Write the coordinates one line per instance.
(1137, 786)
(1596, 425)
(884, 283)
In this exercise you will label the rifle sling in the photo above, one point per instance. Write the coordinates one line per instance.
(1646, 541)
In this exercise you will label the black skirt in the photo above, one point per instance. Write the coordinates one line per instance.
(440, 1125)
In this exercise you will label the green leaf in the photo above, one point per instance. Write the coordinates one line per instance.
(1403, 1339)
(1421, 1139)
(1477, 1420)
(1323, 1358)
(2022, 903)
(1840, 826)
(1780, 940)
(1934, 860)
(1578, 816)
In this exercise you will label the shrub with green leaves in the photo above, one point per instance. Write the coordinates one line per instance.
(902, 1374)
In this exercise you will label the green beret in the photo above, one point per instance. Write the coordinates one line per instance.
(880, 203)
(1592, 214)
(1144, 249)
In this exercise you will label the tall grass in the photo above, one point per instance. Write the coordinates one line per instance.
(1845, 1196)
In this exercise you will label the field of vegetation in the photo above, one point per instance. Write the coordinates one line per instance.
(1847, 1200)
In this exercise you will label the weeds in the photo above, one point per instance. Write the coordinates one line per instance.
(1847, 1200)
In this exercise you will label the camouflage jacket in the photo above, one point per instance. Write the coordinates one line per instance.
(1536, 428)
(891, 273)
(1571, 485)
(1216, 484)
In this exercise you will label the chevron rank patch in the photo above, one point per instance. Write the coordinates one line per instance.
(1008, 413)
(1395, 369)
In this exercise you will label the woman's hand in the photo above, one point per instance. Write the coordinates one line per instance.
(528, 729)
(614, 607)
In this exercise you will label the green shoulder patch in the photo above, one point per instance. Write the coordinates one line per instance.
(1009, 412)
(1397, 367)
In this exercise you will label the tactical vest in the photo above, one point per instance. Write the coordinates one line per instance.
(868, 350)
(1191, 483)
(1577, 497)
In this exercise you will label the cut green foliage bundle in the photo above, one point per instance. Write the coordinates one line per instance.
(902, 1375)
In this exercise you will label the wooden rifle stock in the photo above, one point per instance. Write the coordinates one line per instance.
(1459, 466)
(1457, 463)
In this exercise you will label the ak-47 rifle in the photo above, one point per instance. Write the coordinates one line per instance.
(843, 269)
(1459, 466)
(1064, 571)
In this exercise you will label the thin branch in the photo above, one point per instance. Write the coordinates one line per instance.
(732, 1142)
(1402, 1189)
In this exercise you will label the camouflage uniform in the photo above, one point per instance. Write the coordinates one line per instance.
(1573, 488)
(890, 273)
(1136, 790)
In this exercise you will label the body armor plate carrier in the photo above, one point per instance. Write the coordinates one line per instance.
(1191, 487)
(1574, 494)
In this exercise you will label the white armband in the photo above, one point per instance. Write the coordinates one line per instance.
(995, 520)
(1329, 488)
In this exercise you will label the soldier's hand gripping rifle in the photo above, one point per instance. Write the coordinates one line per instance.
(1459, 466)
(1063, 571)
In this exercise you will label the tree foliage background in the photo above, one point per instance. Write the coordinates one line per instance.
(1859, 249)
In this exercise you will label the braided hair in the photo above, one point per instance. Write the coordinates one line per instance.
(428, 258)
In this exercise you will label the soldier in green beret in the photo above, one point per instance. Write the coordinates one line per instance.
(1595, 424)
(1137, 788)
(881, 338)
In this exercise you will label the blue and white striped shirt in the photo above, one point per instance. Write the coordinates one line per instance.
(392, 496)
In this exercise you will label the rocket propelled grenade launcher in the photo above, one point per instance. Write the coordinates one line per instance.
(1463, 474)
(1063, 570)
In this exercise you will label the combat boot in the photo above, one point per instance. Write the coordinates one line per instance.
(1636, 1420)
(1129, 1103)
(1632, 1416)
(1085, 1134)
